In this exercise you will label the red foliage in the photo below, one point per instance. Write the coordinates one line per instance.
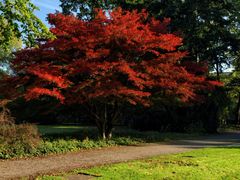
(123, 56)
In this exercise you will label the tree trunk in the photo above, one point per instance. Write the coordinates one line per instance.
(238, 110)
(104, 115)
(102, 130)
(218, 71)
(109, 129)
(105, 128)
(211, 121)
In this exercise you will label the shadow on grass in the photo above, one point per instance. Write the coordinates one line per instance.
(221, 140)
(88, 132)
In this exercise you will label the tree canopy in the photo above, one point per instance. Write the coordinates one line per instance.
(117, 57)
(17, 20)
(210, 29)
(6, 54)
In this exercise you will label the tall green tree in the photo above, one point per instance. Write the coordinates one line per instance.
(17, 20)
(7, 54)
(210, 28)
(234, 88)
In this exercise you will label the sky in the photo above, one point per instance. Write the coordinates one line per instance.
(46, 7)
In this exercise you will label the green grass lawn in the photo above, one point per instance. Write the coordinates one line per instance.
(203, 164)
(82, 132)
(61, 129)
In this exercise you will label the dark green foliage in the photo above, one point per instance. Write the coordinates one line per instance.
(67, 145)
(85, 9)
(233, 87)
(200, 117)
(36, 111)
(209, 28)
(48, 112)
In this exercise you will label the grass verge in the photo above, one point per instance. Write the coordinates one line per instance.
(209, 163)
(62, 139)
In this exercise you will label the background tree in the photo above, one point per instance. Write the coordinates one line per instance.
(210, 29)
(6, 55)
(85, 9)
(121, 57)
(233, 86)
(17, 20)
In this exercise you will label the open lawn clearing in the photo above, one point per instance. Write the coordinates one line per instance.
(209, 163)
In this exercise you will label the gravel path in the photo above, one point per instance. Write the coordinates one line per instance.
(14, 169)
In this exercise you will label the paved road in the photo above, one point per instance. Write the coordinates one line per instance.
(13, 169)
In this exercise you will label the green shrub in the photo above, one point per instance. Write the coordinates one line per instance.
(17, 140)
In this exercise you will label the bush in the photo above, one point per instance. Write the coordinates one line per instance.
(5, 114)
(17, 140)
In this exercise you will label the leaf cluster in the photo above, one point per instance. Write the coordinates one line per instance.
(210, 29)
(17, 20)
(119, 56)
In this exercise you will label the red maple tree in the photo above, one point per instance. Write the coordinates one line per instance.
(119, 57)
